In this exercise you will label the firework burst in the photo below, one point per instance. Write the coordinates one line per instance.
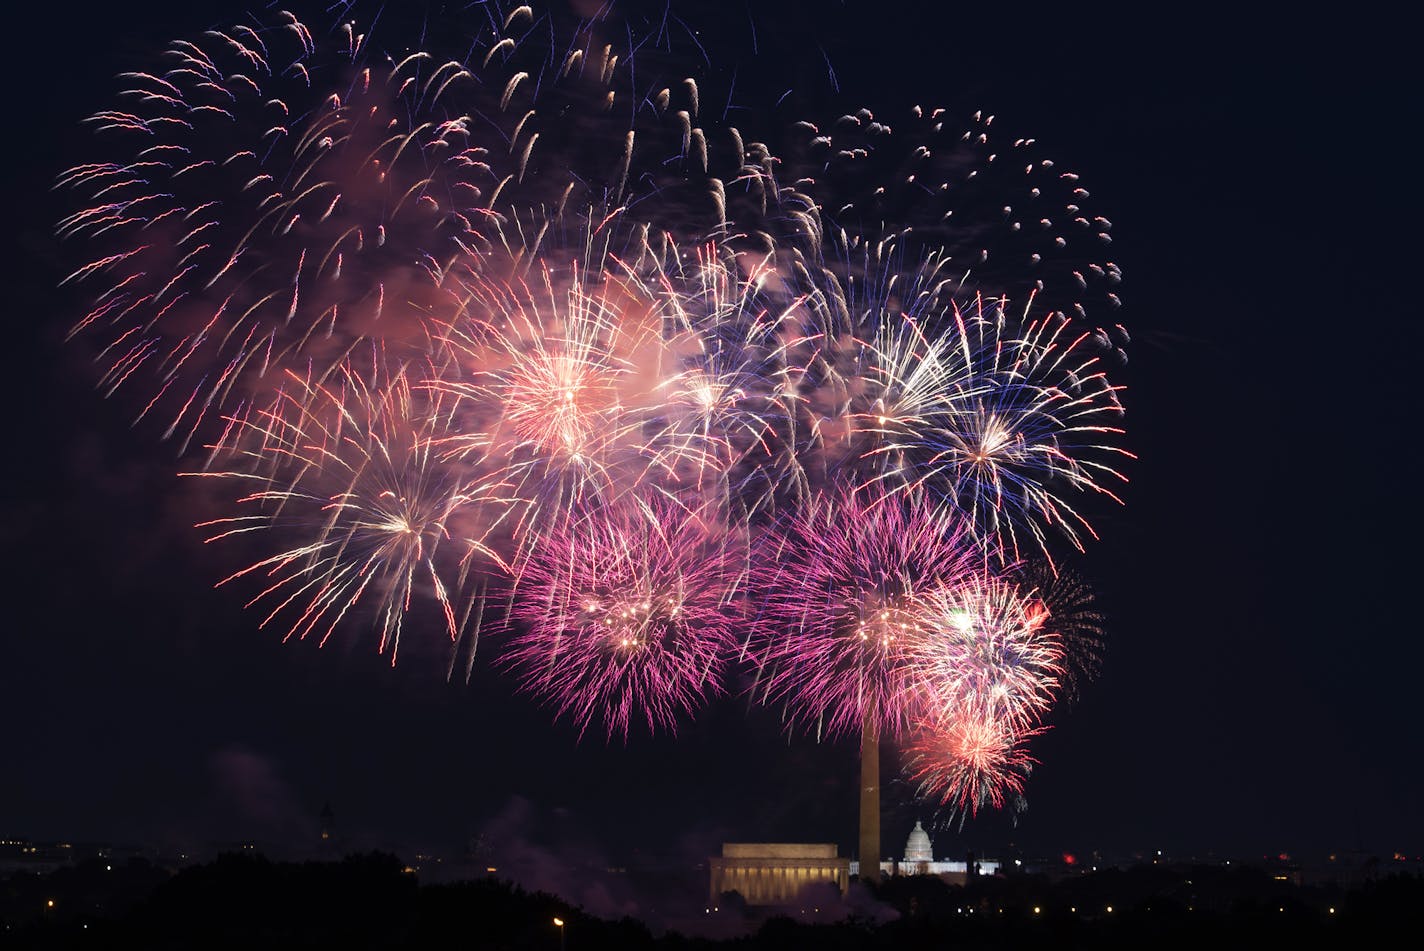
(274, 198)
(1073, 617)
(991, 662)
(841, 589)
(987, 653)
(970, 762)
(999, 213)
(347, 483)
(544, 382)
(629, 614)
(722, 421)
(275, 194)
(1040, 431)
(917, 384)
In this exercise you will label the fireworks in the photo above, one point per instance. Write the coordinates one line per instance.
(1073, 618)
(1000, 215)
(273, 199)
(841, 595)
(520, 335)
(970, 762)
(274, 195)
(538, 383)
(628, 614)
(1042, 427)
(346, 482)
(991, 662)
(917, 384)
(720, 422)
(987, 653)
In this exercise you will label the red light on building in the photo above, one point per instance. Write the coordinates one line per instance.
(1069, 858)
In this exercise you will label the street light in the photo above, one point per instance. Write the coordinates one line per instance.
(559, 923)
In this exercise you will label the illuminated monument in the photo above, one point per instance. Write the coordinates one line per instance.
(917, 846)
(773, 873)
(919, 860)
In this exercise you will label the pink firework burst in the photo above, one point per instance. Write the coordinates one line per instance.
(629, 612)
(842, 587)
(543, 390)
(271, 195)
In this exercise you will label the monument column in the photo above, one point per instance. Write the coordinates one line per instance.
(869, 802)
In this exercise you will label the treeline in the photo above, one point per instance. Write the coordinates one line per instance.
(372, 901)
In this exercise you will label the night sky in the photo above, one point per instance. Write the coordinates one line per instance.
(1258, 688)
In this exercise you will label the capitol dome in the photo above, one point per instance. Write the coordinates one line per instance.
(917, 847)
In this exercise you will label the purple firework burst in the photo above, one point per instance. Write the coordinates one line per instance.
(842, 587)
(628, 613)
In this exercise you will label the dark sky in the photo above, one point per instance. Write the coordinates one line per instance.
(1258, 691)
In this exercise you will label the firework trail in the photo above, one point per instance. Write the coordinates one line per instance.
(344, 479)
(628, 615)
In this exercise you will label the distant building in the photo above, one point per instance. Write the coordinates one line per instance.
(329, 843)
(917, 846)
(22, 855)
(774, 873)
(233, 847)
(919, 860)
(328, 824)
